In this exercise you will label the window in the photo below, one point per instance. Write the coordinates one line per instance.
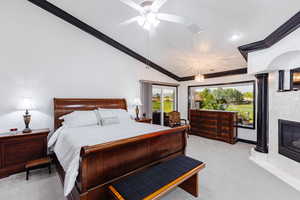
(239, 97)
(164, 101)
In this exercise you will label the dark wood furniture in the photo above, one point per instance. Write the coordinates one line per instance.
(144, 120)
(35, 164)
(175, 119)
(219, 125)
(158, 180)
(103, 164)
(17, 149)
(156, 118)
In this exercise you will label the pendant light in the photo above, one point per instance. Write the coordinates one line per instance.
(199, 77)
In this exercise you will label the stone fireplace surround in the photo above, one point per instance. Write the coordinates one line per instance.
(282, 105)
(279, 51)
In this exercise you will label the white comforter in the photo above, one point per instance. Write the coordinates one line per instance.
(67, 142)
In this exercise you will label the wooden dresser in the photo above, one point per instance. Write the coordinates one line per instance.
(219, 125)
(17, 149)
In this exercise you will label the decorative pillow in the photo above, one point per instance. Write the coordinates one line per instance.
(80, 118)
(108, 117)
(113, 116)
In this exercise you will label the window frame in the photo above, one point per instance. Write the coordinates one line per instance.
(227, 84)
(176, 91)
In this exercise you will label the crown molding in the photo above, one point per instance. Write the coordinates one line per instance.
(99, 35)
(288, 27)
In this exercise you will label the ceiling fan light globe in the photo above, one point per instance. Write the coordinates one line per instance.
(156, 23)
(151, 17)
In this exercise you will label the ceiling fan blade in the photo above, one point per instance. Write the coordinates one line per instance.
(158, 4)
(133, 5)
(130, 21)
(171, 18)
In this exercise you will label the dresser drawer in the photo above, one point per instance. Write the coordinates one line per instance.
(219, 125)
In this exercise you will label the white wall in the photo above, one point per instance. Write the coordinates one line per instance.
(246, 134)
(44, 57)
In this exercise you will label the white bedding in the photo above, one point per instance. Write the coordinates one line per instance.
(67, 142)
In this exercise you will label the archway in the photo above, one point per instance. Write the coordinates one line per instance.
(288, 60)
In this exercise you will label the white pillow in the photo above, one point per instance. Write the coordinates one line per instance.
(108, 117)
(80, 118)
(123, 115)
(113, 115)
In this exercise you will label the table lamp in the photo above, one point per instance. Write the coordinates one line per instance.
(137, 102)
(27, 105)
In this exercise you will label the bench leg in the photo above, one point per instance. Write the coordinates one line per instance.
(49, 167)
(27, 174)
(191, 185)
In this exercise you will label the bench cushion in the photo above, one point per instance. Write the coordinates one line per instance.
(144, 183)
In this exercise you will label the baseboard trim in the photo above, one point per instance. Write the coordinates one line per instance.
(261, 160)
(247, 141)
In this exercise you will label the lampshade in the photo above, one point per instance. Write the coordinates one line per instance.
(137, 102)
(27, 104)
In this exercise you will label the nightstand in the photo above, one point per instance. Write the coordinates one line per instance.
(144, 120)
(19, 148)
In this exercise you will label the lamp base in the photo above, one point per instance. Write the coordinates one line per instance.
(27, 119)
(27, 130)
(137, 112)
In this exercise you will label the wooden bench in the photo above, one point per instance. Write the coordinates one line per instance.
(156, 181)
(34, 164)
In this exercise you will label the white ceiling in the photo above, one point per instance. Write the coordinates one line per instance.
(173, 46)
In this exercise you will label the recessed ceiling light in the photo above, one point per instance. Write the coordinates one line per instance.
(235, 37)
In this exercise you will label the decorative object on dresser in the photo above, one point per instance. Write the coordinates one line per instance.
(144, 120)
(19, 148)
(137, 102)
(98, 163)
(27, 105)
(219, 125)
(175, 120)
(35, 164)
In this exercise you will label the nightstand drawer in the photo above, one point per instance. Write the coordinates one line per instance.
(29, 149)
(17, 149)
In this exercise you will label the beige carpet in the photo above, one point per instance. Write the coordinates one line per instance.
(229, 175)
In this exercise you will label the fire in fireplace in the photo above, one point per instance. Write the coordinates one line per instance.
(289, 139)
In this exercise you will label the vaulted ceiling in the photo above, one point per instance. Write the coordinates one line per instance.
(227, 25)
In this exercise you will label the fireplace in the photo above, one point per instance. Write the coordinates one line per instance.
(289, 139)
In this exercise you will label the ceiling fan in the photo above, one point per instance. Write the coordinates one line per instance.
(150, 17)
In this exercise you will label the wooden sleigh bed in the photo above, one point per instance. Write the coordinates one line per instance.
(102, 164)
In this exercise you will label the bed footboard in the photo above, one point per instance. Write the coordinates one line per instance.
(105, 163)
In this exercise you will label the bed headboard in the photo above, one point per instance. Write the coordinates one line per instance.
(66, 106)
